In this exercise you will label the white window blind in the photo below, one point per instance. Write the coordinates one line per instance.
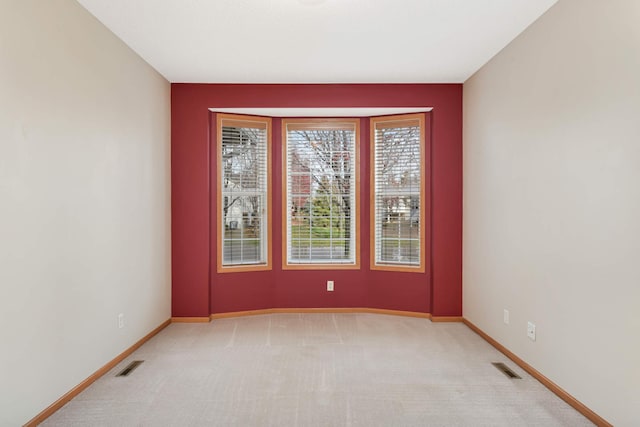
(321, 192)
(243, 202)
(398, 188)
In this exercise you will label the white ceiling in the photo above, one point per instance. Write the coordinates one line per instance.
(317, 41)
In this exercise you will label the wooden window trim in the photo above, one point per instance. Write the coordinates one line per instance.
(385, 122)
(249, 121)
(320, 123)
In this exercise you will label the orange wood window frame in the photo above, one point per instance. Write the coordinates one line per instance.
(313, 124)
(386, 122)
(256, 122)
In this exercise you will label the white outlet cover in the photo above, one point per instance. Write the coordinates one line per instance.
(330, 285)
(505, 317)
(531, 331)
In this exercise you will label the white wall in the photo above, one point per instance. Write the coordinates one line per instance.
(552, 200)
(84, 201)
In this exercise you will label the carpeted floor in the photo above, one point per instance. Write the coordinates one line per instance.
(317, 370)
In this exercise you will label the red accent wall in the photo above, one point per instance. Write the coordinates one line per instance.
(197, 290)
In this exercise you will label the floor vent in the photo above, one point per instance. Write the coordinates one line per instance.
(133, 365)
(506, 370)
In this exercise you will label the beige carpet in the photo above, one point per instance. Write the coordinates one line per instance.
(317, 370)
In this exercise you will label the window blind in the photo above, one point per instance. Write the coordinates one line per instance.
(320, 192)
(243, 201)
(397, 175)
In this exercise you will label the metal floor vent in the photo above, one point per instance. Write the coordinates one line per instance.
(130, 367)
(506, 370)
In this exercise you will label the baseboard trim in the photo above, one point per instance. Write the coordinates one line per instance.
(457, 319)
(397, 313)
(204, 319)
(557, 390)
(232, 314)
(336, 310)
(93, 377)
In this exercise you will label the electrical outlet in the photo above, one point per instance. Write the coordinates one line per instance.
(505, 317)
(330, 285)
(121, 320)
(531, 331)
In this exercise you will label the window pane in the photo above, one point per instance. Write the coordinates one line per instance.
(340, 249)
(400, 251)
(321, 196)
(300, 250)
(398, 186)
(242, 229)
(244, 183)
